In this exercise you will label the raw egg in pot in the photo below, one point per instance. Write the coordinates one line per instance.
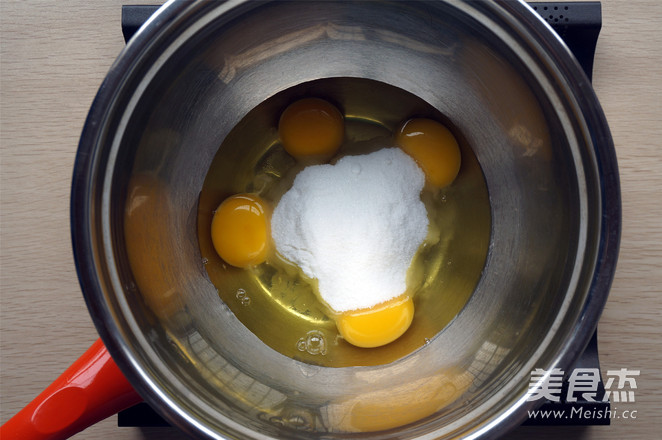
(240, 230)
(311, 127)
(378, 325)
(433, 147)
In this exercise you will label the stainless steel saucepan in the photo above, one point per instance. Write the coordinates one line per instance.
(500, 77)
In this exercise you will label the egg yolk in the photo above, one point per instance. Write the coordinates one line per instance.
(240, 230)
(311, 127)
(433, 147)
(378, 325)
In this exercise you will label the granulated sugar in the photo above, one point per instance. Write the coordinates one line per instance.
(354, 226)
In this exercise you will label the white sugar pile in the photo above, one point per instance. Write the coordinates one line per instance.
(354, 226)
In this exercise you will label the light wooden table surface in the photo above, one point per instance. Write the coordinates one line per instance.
(54, 56)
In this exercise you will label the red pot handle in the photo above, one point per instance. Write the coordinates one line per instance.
(90, 390)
